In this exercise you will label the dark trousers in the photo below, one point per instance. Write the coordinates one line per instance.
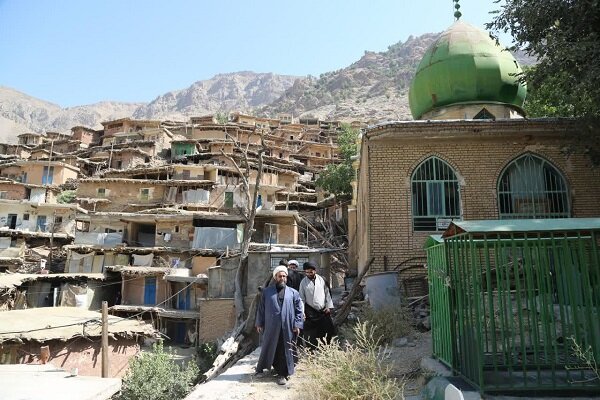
(280, 362)
(317, 325)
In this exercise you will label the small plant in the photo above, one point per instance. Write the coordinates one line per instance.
(357, 371)
(207, 353)
(222, 117)
(389, 323)
(587, 356)
(66, 196)
(155, 376)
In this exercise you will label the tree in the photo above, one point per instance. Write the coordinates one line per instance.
(337, 178)
(564, 35)
(247, 210)
(155, 376)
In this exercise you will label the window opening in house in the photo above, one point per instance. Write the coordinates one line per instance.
(271, 233)
(101, 192)
(58, 222)
(41, 223)
(530, 187)
(185, 174)
(119, 164)
(435, 195)
(25, 217)
(3, 195)
(11, 221)
(276, 259)
(484, 114)
(144, 194)
(48, 175)
(228, 199)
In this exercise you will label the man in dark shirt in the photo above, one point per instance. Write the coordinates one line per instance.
(294, 277)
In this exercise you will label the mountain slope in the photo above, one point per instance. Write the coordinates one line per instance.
(20, 112)
(240, 91)
(374, 87)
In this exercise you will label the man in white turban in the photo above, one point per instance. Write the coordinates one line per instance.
(279, 317)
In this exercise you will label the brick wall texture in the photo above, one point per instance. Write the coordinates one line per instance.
(478, 153)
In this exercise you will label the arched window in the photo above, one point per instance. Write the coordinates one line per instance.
(530, 187)
(435, 195)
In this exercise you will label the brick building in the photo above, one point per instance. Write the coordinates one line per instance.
(470, 155)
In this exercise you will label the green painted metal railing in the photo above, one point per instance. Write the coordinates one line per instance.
(439, 300)
(511, 308)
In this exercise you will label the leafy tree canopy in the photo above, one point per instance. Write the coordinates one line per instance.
(564, 35)
(337, 178)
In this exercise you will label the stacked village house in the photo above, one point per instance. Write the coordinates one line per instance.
(151, 210)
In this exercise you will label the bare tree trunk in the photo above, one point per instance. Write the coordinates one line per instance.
(345, 309)
(249, 213)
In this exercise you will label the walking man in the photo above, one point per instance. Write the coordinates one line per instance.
(294, 277)
(279, 318)
(317, 306)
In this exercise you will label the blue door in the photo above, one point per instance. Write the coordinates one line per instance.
(150, 291)
(180, 332)
(183, 302)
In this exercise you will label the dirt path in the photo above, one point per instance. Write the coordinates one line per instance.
(238, 382)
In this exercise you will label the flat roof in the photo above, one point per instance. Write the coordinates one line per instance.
(64, 323)
(48, 382)
(8, 281)
(522, 225)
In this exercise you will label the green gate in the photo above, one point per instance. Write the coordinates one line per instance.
(523, 295)
(439, 299)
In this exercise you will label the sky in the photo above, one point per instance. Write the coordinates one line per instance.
(75, 52)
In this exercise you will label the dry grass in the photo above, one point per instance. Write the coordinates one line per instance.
(388, 323)
(354, 371)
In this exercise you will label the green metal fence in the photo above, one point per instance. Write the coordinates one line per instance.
(522, 296)
(439, 299)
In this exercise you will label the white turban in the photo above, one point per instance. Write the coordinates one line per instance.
(293, 262)
(280, 268)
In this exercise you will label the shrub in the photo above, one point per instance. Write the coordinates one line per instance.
(66, 196)
(207, 353)
(389, 322)
(357, 371)
(155, 376)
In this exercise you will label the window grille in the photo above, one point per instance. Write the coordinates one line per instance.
(435, 196)
(484, 114)
(530, 187)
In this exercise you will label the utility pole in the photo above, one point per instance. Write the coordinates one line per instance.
(54, 212)
(104, 339)
(52, 227)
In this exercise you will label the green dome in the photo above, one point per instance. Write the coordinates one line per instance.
(465, 65)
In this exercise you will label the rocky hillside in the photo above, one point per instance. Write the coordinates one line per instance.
(373, 88)
(20, 113)
(240, 91)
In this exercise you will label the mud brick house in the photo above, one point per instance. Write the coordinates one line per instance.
(61, 329)
(157, 207)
